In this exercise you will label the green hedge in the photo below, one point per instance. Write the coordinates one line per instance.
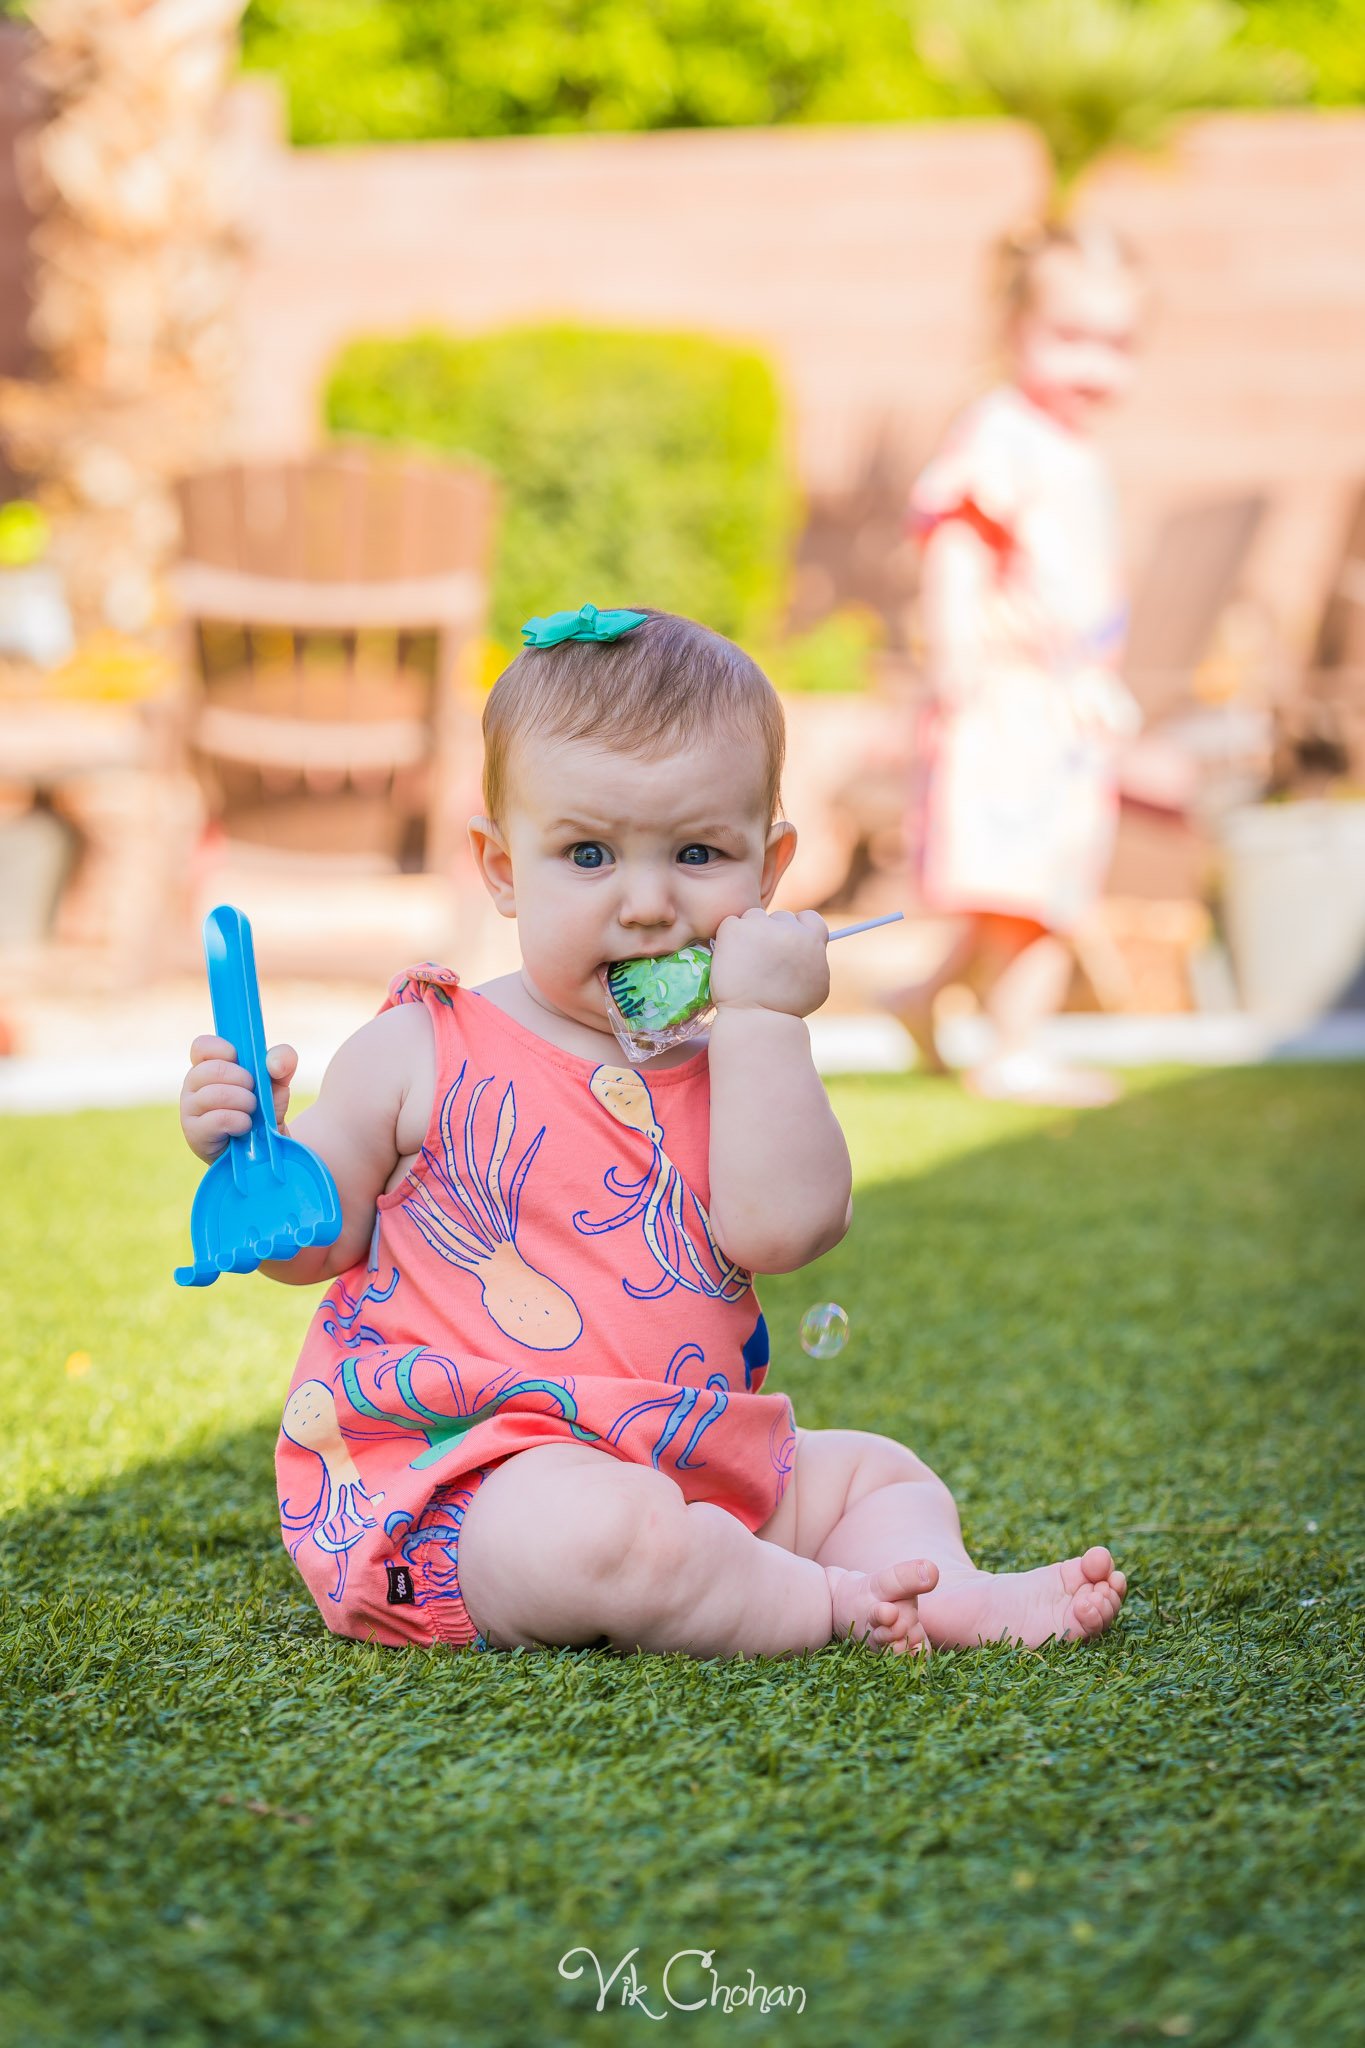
(377, 70)
(634, 468)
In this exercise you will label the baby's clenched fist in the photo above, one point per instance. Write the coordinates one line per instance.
(217, 1099)
(771, 960)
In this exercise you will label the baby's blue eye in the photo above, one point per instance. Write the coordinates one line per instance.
(695, 856)
(588, 854)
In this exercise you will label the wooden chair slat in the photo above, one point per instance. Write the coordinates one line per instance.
(426, 602)
(368, 746)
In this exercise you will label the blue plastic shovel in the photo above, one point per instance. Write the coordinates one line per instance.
(266, 1196)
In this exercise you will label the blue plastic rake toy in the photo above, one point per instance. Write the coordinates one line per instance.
(266, 1196)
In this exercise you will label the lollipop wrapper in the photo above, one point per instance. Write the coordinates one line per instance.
(639, 1042)
(670, 1002)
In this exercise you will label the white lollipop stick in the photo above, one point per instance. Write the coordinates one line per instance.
(869, 924)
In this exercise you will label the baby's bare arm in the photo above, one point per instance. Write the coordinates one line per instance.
(780, 1174)
(372, 1110)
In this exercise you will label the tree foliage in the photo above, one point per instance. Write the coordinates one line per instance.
(362, 70)
(1327, 36)
(1097, 75)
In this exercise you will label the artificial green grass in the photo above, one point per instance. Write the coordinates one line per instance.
(1144, 1327)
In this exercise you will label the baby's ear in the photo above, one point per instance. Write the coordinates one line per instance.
(494, 864)
(777, 857)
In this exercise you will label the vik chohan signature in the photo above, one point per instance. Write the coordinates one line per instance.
(688, 1983)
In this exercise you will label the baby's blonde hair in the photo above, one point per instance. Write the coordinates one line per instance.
(1019, 255)
(658, 686)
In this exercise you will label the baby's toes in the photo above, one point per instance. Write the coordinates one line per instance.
(885, 1623)
(907, 1632)
(1095, 1608)
(1108, 1595)
(1092, 1610)
(1097, 1598)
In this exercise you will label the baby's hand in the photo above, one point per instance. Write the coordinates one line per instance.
(774, 960)
(217, 1099)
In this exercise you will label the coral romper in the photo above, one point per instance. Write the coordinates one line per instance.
(545, 1273)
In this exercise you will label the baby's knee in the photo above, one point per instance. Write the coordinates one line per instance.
(633, 1534)
(881, 1461)
(557, 1545)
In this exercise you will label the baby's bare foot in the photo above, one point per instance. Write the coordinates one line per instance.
(1079, 1597)
(881, 1608)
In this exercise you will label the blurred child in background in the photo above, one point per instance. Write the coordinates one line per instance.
(1023, 619)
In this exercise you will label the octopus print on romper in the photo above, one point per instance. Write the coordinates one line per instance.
(662, 1201)
(545, 1273)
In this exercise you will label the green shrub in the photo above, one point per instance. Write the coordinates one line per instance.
(634, 468)
(834, 656)
(378, 70)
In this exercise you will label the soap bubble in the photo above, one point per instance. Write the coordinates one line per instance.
(824, 1330)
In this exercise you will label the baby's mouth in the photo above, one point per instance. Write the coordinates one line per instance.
(645, 953)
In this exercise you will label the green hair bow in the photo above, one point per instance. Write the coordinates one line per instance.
(585, 624)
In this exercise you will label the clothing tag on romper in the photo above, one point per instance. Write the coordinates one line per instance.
(402, 1592)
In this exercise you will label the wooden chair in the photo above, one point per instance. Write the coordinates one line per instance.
(1136, 948)
(330, 605)
(1192, 576)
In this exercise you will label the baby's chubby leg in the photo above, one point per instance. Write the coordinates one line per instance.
(566, 1545)
(859, 1500)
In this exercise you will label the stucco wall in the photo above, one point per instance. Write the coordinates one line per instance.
(855, 256)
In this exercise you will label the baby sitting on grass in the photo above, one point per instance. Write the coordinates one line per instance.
(529, 1409)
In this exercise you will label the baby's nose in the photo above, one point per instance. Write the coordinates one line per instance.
(647, 900)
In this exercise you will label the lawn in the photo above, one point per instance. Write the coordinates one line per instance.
(1145, 1327)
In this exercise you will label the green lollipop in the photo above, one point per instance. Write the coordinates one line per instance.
(659, 995)
(656, 1003)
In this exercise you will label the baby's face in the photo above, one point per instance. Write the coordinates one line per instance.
(614, 856)
(1073, 347)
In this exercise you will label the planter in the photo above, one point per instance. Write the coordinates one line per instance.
(1294, 902)
(35, 623)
